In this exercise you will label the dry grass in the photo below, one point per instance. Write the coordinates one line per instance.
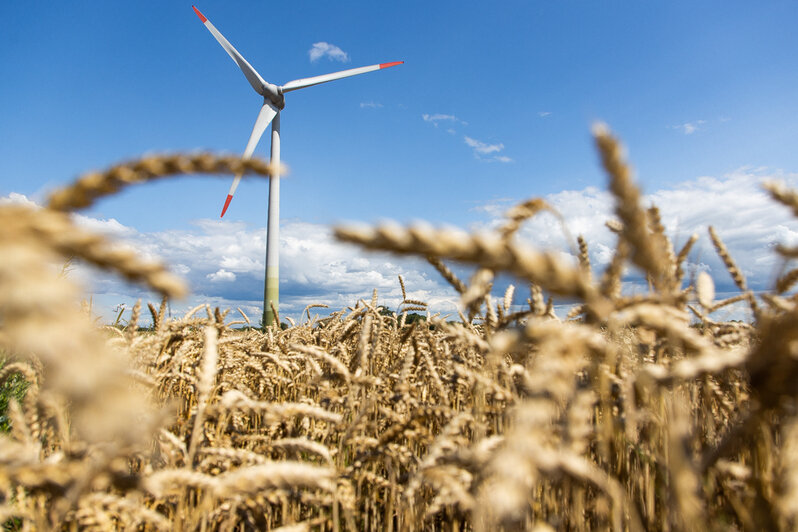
(623, 416)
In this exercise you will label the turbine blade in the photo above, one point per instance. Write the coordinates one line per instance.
(315, 80)
(265, 116)
(251, 74)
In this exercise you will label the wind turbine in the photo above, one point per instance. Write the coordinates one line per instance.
(273, 103)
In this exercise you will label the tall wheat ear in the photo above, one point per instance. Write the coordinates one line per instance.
(645, 253)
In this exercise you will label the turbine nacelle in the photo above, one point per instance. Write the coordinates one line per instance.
(274, 94)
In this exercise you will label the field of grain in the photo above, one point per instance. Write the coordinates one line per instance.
(634, 413)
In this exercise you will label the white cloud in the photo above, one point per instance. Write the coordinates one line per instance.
(688, 128)
(223, 262)
(221, 276)
(481, 149)
(180, 269)
(370, 105)
(240, 263)
(438, 117)
(110, 227)
(15, 198)
(544, 114)
(747, 220)
(330, 51)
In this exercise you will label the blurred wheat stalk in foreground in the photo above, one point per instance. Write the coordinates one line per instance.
(635, 412)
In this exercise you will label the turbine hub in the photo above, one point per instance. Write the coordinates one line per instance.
(274, 94)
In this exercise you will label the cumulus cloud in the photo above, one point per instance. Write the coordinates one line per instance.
(747, 220)
(330, 51)
(223, 261)
(370, 105)
(180, 269)
(221, 276)
(15, 198)
(110, 227)
(482, 149)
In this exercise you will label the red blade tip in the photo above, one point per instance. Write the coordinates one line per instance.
(203, 19)
(226, 204)
(386, 65)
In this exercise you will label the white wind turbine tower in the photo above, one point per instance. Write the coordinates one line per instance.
(273, 103)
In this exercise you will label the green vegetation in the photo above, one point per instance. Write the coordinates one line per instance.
(14, 387)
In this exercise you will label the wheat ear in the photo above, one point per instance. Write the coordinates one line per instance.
(611, 279)
(731, 266)
(682, 256)
(57, 231)
(89, 187)
(133, 323)
(584, 256)
(644, 251)
(786, 281)
(733, 269)
(782, 194)
(486, 250)
(664, 243)
(447, 274)
(520, 213)
(207, 379)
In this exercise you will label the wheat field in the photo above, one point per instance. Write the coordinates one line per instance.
(634, 413)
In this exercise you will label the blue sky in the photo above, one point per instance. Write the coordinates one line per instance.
(493, 105)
